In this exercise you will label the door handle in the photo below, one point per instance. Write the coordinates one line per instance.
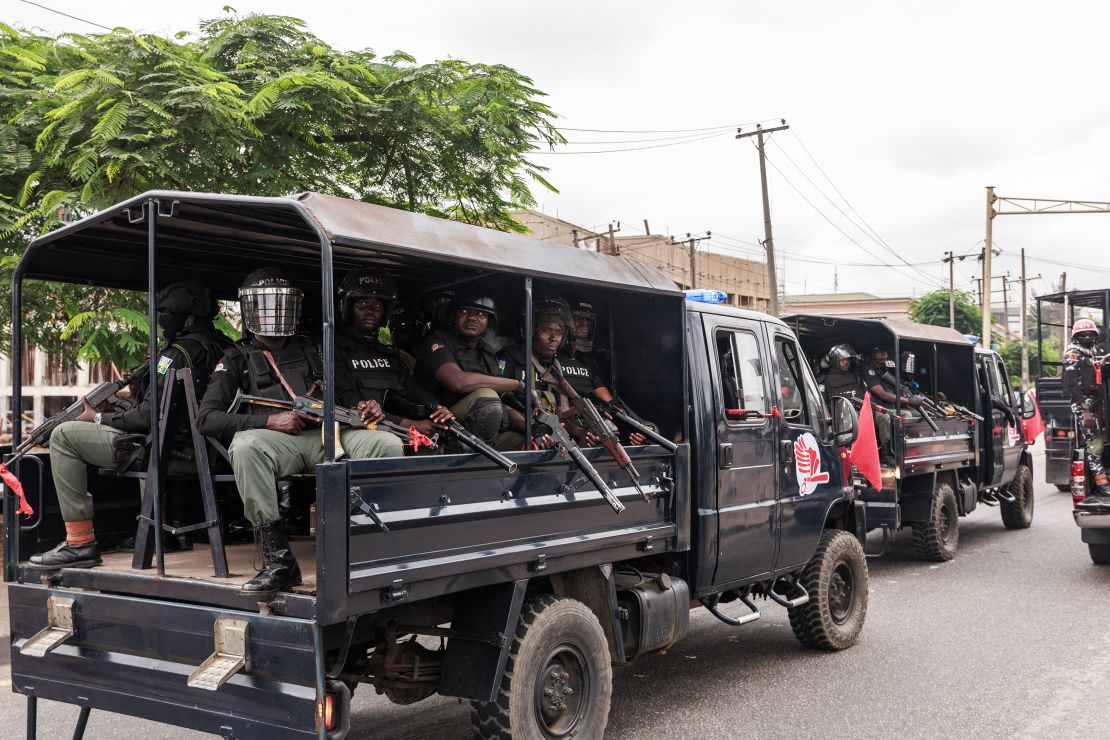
(724, 456)
(786, 451)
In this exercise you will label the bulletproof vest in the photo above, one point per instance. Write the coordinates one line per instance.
(202, 351)
(580, 371)
(549, 397)
(842, 384)
(374, 367)
(299, 363)
(1078, 374)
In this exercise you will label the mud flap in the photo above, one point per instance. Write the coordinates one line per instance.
(484, 621)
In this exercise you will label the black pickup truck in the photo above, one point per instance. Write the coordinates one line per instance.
(964, 448)
(515, 591)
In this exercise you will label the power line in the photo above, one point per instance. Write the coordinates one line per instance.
(639, 148)
(660, 130)
(631, 141)
(67, 15)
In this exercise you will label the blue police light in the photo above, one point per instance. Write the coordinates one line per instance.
(702, 295)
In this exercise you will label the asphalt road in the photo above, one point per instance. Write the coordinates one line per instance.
(1010, 640)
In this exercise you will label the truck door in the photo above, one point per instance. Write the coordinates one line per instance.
(746, 503)
(993, 457)
(808, 475)
(1013, 442)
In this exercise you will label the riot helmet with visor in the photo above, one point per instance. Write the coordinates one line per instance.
(271, 305)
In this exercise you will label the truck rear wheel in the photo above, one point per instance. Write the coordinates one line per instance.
(558, 681)
(1100, 554)
(938, 538)
(1018, 514)
(837, 581)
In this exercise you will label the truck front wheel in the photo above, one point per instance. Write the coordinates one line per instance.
(1100, 554)
(558, 681)
(938, 538)
(1018, 514)
(836, 579)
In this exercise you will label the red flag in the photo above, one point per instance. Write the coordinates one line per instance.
(865, 451)
(1030, 428)
(17, 488)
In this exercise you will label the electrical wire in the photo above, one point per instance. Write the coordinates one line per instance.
(662, 130)
(632, 141)
(67, 15)
(639, 148)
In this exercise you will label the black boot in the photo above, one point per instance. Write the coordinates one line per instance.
(280, 571)
(66, 555)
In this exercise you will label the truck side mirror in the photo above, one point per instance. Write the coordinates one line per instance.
(1028, 406)
(845, 422)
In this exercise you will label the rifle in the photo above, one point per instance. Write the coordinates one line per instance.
(636, 425)
(570, 450)
(454, 430)
(926, 404)
(314, 408)
(604, 431)
(97, 397)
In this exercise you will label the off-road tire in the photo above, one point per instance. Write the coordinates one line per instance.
(555, 636)
(1100, 553)
(837, 581)
(1018, 514)
(938, 538)
(1063, 487)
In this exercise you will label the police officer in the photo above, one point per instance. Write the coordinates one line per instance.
(887, 393)
(1080, 386)
(374, 377)
(461, 370)
(580, 367)
(185, 314)
(838, 377)
(408, 325)
(274, 362)
(552, 324)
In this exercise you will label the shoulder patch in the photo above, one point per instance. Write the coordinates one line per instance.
(164, 364)
(220, 368)
(436, 346)
(1073, 355)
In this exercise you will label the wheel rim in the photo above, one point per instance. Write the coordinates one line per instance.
(842, 592)
(562, 691)
(945, 523)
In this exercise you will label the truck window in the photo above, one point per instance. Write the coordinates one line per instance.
(799, 398)
(742, 386)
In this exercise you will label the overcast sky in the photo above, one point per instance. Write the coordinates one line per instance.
(910, 110)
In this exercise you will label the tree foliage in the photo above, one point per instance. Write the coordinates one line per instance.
(932, 308)
(249, 104)
(1010, 350)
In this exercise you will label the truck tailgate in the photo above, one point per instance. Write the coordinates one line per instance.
(133, 656)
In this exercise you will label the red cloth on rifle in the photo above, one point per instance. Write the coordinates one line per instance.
(865, 451)
(13, 483)
(1030, 428)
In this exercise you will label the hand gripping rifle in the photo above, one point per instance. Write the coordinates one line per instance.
(314, 408)
(925, 406)
(604, 431)
(453, 429)
(619, 414)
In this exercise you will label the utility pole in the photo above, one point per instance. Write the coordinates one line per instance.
(950, 258)
(768, 240)
(985, 334)
(1005, 307)
(693, 264)
(1065, 339)
(1024, 325)
(612, 241)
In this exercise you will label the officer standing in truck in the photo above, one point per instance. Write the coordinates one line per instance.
(275, 362)
(837, 377)
(370, 375)
(884, 391)
(1079, 380)
(185, 315)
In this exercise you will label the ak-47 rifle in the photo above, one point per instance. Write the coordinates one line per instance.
(604, 431)
(569, 449)
(925, 405)
(314, 408)
(619, 414)
(98, 397)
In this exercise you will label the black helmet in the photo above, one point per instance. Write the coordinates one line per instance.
(551, 308)
(582, 310)
(835, 354)
(189, 299)
(270, 303)
(365, 282)
(407, 313)
(475, 301)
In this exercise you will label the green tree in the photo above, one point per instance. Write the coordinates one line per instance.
(1010, 350)
(250, 104)
(932, 308)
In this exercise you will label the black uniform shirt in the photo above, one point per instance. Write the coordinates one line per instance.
(873, 376)
(582, 372)
(245, 368)
(443, 347)
(198, 349)
(1078, 376)
(366, 369)
(512, 360)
